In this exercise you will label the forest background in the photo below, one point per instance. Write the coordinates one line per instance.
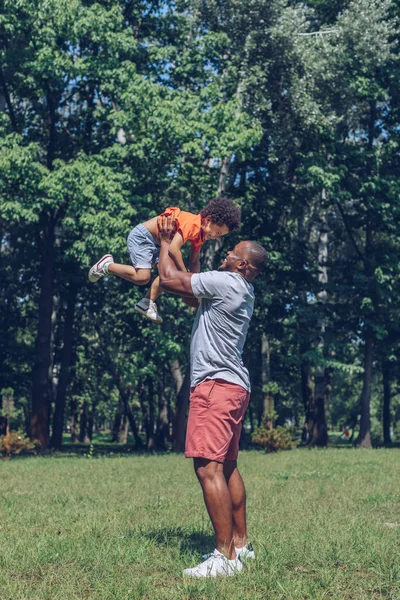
(112, 110)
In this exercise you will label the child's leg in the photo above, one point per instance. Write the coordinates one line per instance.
(155, 290)
(137, 276)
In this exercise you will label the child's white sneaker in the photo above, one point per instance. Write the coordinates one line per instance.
(100, 269)
(244, 553)
(216, 564)
(148, 309)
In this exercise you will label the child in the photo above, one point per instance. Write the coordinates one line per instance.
(218, 218)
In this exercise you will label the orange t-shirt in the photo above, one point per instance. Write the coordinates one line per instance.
(188, 225)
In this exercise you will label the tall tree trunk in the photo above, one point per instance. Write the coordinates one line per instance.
(58, 419)
(90, 424)
(123, 430)
(307, 393)
(386, 404)
(83, 423)
(162, 431)
(53, 375)
(213, 247)
(41, 392)
(150, 435)
(319, 432)
(74, 420)
(268, 408)
(364, 438)
(116, 427)
(182, 387)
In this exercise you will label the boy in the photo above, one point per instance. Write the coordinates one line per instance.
(219, 217)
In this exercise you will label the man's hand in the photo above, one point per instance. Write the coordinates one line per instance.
(166, 228)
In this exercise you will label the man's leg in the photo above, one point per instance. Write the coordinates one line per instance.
(218, 502)
(237, 493)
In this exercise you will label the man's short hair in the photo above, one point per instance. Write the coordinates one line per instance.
(223, 211)
(257, 256)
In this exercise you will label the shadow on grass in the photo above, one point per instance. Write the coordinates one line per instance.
(195, 541)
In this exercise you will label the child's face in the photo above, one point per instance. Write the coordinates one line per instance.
(212, 231)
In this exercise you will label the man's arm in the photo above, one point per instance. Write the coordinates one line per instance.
(175, 251)
(171, 279)
(194, 261)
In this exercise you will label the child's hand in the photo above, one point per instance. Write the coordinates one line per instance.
(166, 228)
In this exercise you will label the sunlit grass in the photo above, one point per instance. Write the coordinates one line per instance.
(325, 524)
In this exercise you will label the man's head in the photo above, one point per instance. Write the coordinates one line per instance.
(247, 258)
(219, 217)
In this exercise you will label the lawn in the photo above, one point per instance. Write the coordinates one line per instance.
(325, 524)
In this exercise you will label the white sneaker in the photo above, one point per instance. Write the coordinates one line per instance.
(148, 309)
(244, 553)
(216, 564)
(100, 269)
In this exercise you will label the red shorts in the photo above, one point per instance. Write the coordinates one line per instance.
(216, 413)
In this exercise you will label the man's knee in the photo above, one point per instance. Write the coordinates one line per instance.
(207, 470)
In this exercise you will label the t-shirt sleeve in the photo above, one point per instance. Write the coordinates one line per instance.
(208, 285)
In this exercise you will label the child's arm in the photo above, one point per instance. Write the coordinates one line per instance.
(175, 251)
(194, 261)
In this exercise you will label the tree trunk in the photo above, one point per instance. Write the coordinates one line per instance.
(181, 407)
(90, 424)
(116, 427)
(83, 422)
(74, 421)
(386, 404)
(53, 375)
(364, 437)
(319, 431)
(41, 392)
(214, 246)
(58, 420)
(150, 436)
(147, 416)
(162, 431)
(307, 392)
(268, 408)
(123, 430)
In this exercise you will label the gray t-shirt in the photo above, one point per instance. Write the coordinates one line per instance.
(220, 327)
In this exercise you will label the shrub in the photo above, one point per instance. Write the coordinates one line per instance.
(279, 438)
(15, 443)
(376, 432)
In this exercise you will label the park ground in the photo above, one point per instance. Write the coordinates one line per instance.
(324, 523)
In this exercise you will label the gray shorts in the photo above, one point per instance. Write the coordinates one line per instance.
(143, 250)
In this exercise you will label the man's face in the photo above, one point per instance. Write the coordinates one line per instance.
(233, 258)
(212, 231)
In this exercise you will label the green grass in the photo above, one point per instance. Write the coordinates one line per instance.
(125, 527)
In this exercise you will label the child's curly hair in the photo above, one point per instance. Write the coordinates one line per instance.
(223, 211)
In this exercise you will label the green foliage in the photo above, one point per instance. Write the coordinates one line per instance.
(272, 440)
(16, 443)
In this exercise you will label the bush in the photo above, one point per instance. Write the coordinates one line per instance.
(376, 432)
(279, 438)
(15, 443)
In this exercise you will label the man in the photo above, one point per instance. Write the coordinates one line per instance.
(220, 389)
